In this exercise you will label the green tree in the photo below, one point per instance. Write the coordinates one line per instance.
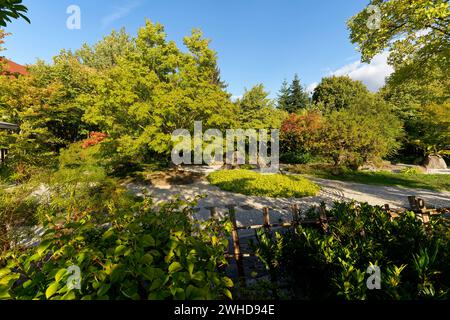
(366, 131)
(409, 29)
(257, 110)
(417, 35)
(12, 9)
(155, 90)
(45, 105)
(336, 93)
(298, 98)
(105, 53)
(432, 129)
(283, 96)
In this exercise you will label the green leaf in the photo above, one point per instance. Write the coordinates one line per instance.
(108, 234)
(51, 290)
(147, 259)
(148, 241)
(4, 293)
(175, 267)
(104, 288)
(190, 268)
(43, 246)
(228, 294)
(60, 274)
(119, 250)
(227, 282)
(4, 272)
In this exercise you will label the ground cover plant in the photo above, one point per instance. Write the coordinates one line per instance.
(256, 184)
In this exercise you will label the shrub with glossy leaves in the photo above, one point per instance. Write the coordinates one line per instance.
(136, 253)
(413, 258)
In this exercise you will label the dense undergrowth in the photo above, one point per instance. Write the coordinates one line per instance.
(412, 258)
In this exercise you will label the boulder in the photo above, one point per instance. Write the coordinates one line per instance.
(435, 162)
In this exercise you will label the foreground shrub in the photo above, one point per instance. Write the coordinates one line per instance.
(413, 258)
(134, 252)
(255, 184)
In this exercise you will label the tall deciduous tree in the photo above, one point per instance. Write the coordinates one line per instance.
(416, 29)
(257, 110)
(336, 93)
(157, 89)
(417, 34)
(106, 53)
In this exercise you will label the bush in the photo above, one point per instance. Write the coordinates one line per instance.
(413, 259)
(124, 247)
(255, 184)
(296, 158)
(300, 134)
(366, 131)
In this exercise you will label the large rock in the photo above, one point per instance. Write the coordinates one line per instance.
(435, 162)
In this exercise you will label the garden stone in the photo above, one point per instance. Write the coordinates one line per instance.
(435, 162)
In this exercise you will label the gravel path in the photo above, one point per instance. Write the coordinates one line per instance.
(249, 207)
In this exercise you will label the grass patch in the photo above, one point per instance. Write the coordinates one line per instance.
(384, 178)
(251, 183)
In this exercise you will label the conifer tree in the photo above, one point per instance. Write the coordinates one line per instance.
(283, 96)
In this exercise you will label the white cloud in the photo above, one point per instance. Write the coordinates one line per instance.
(310, 88)
(373, 75)
(235, 98)
(119, 13)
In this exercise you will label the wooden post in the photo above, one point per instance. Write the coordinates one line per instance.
(413, 203)
(272, 270)
(417, 205)
(295, 214)
(266, 218)
(214, 214)
(426, 218)
(323, 218)
(421, 205)
(236, 245)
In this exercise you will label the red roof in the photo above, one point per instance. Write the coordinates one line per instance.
(14, 68)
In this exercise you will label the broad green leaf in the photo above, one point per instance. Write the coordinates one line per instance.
(51, 290)
(175, 267)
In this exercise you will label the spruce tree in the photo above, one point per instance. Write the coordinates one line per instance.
(298, 97)
(283, 96)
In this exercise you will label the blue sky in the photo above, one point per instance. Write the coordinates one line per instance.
(258, 41)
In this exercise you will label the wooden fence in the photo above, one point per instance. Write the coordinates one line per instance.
(417, 206)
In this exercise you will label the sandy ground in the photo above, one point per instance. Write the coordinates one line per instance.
(249, 207)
